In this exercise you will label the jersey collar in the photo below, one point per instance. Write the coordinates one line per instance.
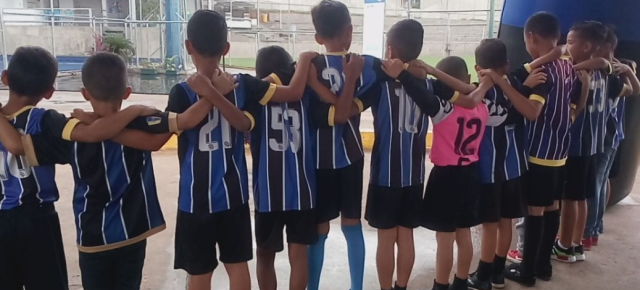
(14, 115)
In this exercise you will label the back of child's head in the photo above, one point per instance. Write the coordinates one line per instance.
(104, 76)
(31, 72)
(330, 18)
(454, 66)
(405, 39)
(591, 31)
(207, 33)
(544, 25)
(491, 54)
(612, 37)
(272, 59)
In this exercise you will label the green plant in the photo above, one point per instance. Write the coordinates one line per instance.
(119, 45)
(170, 63)
(150, 10)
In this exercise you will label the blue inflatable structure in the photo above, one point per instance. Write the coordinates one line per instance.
(625, 16)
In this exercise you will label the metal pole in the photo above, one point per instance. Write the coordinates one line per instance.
(280, 17)
(289, 10)
(492, 12)
(162, 27)
(5, 59)
(53, 39)
(258, 16)
(210, 4)
(231, 9)
(135, 37)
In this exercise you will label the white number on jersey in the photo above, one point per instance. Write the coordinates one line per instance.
(277, 123)
(597, 87)
(409, 113)
(18, 166)
(334, 77)
(206, 137)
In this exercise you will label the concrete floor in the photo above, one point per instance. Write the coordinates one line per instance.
(614, 262)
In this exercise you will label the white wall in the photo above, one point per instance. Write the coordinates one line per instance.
(65, 4)
(12, 3)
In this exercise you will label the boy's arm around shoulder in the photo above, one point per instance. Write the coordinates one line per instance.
(104, 128)
(49, 146)
(10, 137)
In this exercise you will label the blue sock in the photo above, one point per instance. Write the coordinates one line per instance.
(356, 252)
(316, 259)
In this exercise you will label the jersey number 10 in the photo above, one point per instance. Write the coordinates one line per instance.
(18, 166)
(409, 113)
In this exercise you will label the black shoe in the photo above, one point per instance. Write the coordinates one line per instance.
(497, 281)
(475, 283)
(437, 286)
(458, 284)
(545, 273)
(514, 273)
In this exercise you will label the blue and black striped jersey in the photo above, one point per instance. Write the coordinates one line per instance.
(341, 145)
(115, 201)
(588, 130)
(282, 153)
(213, 170)
(21, 184)
(503, 153)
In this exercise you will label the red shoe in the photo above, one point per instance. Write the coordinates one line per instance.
(594, 241)
(514, 256)
(587, 243)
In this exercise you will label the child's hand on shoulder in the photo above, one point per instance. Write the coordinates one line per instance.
(536, 77)
(489, 75)
(422, 65)
(307, 56)
(224, 82)
(353, 67)
(621, 68)
(486, 79)
(392, 67)
(584, 76)
(201, 84)
(84, 117)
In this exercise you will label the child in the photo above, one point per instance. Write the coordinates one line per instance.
(502, 163)
(283, 175)
(213, 200)
(548, 109)
(587, 139)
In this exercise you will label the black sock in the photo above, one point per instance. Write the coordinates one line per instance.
(484, 270)
(438, 286)
(399, 288)
(551, 226)
(498, 264)
(533, 229)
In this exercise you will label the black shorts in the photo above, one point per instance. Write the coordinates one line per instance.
(119, 268)
(339, 192)
(198, 234)
(451, 198)
(543, 184)
(580, 172)
(31, 249)
(301, 228)
(390, 207)
(502, 200)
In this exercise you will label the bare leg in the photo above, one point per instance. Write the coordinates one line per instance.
(567, 222)
(444, 256)
(489, 241)
(265, 269)
(465, 252)
(239, 277)
(581, 221)
(299, 263)
(505, 232)
(200, 282)
(385, 256)
(406, 255)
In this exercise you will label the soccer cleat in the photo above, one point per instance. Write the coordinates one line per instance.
(497, 281)
(514, 273)
(562, 255)
(579, 253)
(475, 283)
(514, 256)
(587, 243)
(594, 241)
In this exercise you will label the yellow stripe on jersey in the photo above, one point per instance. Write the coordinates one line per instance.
(68, 128)
(276, 79)
(337, 53)
(14, 115)
(455, 97)
(537, 98)
(29, 150)
(626, 90)
(332, 115)
(173, 123)
(251, 119)
(268, 95)
(122, 244)
(359, 104)
(573, 106)
(527, 66)
(405, 66)
(547, 162)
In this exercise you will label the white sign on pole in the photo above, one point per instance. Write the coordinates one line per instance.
(373, 35)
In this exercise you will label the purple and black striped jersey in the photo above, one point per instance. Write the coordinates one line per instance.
(549, 134)
(588, 130)
(213, 169)
(341, 145)
(503, 153)
(282, 153)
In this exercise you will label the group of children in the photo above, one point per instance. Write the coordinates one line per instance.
(499, 145)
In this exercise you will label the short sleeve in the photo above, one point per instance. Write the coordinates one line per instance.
(444, 92)
(283, 77)
(376, 67)
(576, 93)
(178, 100)
(253, 110)
(418, 91)
(521, 73)
(161, 123)
(369, 98)
(540, 92)
(51, 145)
(256, 89)
(616, 87)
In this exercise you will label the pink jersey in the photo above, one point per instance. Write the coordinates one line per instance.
(457, 132)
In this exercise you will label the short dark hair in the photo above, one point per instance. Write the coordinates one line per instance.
(612, 37)
(330, 18)
(543, 24)
(32, 71)
(591, 31)
(454, 66)
(207, 32)
(272, 59)
(406, 39)
(104, 75)
(491, 54)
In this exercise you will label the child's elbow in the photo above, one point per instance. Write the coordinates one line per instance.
(15, 149)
